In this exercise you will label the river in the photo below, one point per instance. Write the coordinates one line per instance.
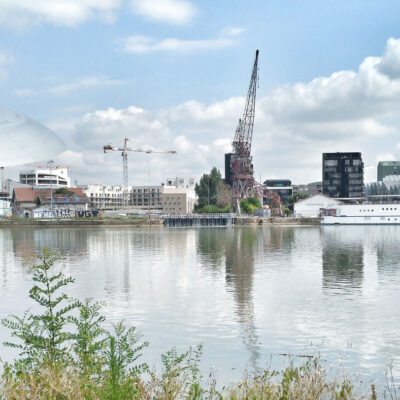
(248, 294)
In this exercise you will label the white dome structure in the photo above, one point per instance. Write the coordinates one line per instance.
(23, 140)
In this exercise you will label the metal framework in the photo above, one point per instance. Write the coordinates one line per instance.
(241, 164)
(124, 153)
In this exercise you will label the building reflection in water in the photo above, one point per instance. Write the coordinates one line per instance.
(342, 260)
(236, 248)
(239, 255)
(67, 242)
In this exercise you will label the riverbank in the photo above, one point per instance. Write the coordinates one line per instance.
(27, 222)
(276, 221)
(143, 221)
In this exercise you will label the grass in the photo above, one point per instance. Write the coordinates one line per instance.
(65, 353)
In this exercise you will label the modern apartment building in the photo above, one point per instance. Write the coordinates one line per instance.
(282, 187)
(386, 168)
(57, 177)
(104, 196)
(342, 175)
(146, 197)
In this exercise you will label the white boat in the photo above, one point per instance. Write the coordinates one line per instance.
(362, 214)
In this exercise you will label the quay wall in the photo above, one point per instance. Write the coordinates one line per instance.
(231, 221)
(27, 222)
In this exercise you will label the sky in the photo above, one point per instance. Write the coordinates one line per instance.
(173, 75)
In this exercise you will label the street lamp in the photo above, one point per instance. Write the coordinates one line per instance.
(208, 189)
(50, 163)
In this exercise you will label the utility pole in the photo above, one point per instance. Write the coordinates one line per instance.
(50, 163)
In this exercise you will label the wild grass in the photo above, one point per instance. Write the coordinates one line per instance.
(65, 353)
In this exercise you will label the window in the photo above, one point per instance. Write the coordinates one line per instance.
(330, 163)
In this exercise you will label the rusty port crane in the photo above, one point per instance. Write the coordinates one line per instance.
(239, 172)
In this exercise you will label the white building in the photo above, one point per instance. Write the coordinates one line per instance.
(181, 182)
(144, 198)
(312, 206)
(104, 196)
(178, 200)
(56, 177)
(112, 196)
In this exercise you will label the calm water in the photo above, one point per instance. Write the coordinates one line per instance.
(247, 294)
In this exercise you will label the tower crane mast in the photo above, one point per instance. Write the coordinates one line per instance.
(124, 153)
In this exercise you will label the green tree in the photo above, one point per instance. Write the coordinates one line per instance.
(297, 196)
(44, 336)
(207, 188)
(249, 205)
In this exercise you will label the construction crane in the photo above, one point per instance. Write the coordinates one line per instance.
(239, 172)
(124, 153)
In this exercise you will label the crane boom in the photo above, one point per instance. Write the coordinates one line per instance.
(244, 131)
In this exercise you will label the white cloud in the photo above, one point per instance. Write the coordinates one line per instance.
(5, 60)
(82, 83)
(347, 111)
(23, 13)
(146, 44)
(171, 11)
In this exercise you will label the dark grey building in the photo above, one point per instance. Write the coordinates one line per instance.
(283, 187)
(386, 168)
(342, 175)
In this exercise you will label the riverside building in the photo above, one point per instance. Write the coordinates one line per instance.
(57, 177)
(342, 175)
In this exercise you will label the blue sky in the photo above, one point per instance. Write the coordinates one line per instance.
(173, 73)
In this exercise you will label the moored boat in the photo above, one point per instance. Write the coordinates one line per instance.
(362, 214)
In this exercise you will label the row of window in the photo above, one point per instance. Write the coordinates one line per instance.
(383, 209)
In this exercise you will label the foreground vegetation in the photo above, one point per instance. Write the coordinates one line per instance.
(65, 353)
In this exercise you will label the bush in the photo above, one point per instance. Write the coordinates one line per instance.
(249, 205)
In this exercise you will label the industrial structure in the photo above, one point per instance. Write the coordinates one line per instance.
(124, 152)
(239, 172)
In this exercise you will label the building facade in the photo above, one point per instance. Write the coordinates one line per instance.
(309, 188)
(178, 200)
(313, 206)
(147, 197)
(47, 203)
(56, 177)
(104, 196)
(342, 175)
(386, 168)
(282, 187)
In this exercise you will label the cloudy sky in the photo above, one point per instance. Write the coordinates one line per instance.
(172, 74)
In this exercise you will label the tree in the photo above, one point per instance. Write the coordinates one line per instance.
(297, 196)
(224, 195)
(207, 188)
(44, 336)
(249, 205)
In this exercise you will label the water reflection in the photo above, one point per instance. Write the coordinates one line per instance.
(237, 248)
(239, 254)
(342, 261)
(246, 293)
(72, 241)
